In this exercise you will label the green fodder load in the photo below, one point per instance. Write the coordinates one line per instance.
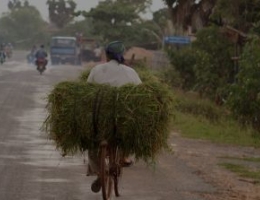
(136, 117)
(84, 75)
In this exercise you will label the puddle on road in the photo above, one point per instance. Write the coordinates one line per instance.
(14, 66)
(28, 151)
(39, 151)
(49, 180)
(8, 157)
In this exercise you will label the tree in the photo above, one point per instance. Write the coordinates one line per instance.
(120, 19)
(14, 4)
(26, 3)
(244, 99)
(185, 13)
(82, 26)
(13, 27)
(206, 66)
(61, 12)
(161, 18)
(241, 14)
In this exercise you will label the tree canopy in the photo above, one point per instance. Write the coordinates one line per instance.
(120, 20)
(13, 27)
(185, 13)
(61, 12)
(241, 14)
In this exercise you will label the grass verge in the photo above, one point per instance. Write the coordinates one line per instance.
(243, 171)
(225, 131)
(248, 159)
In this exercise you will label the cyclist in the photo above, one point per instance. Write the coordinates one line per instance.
(114, 73)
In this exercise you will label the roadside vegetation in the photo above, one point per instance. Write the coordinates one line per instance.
(220, 68)
(243, 172)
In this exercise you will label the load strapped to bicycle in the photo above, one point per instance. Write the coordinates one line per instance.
(114, 122)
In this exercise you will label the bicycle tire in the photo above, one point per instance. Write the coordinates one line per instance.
(118, 170)
(105, 177)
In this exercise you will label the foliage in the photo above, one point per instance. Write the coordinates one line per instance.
(170, 3)
(226, 131)
(14, 29)
(120, 20)
(244, 99)
(206, 66)
(15, 4)
(183, 62)
(198, 107)
(214, 68)
(141, 34)
(255, 30)
(61, 12)
(83, 26)
(241, 14)
(243, 171)
(185, 13)
(161, 17)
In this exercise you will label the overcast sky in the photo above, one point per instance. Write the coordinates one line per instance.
(82, 4)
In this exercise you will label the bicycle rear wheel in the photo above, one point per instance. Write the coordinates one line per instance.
(105, 177)
(117, 171)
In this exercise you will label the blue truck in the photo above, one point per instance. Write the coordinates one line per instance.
(64, 50)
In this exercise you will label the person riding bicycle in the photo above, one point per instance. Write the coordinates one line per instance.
(116, 74)
(41, 54)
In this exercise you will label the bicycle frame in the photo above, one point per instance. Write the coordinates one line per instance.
(110, 169)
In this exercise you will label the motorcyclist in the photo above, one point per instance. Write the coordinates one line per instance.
(41, 54)
(116, 74)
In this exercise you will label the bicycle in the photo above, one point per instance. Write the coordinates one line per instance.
(110, 169)
(110, 156)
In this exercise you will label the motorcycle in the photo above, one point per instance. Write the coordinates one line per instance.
(41, 65)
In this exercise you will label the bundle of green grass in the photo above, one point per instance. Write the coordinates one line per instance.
(135, 117)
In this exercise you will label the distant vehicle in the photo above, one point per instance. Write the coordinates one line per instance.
(89, 49)
(64, 50)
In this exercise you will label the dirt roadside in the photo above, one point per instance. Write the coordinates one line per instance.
(204, 157)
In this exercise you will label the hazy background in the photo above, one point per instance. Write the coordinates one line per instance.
(81, 4)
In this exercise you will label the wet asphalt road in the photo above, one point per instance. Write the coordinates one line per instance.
(32, 169)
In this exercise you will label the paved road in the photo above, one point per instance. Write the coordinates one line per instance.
(31, 168)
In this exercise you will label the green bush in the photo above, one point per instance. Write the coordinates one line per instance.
(206, 66)
(199, 107)
(244, 99)
(214, 69)
(183, 62)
